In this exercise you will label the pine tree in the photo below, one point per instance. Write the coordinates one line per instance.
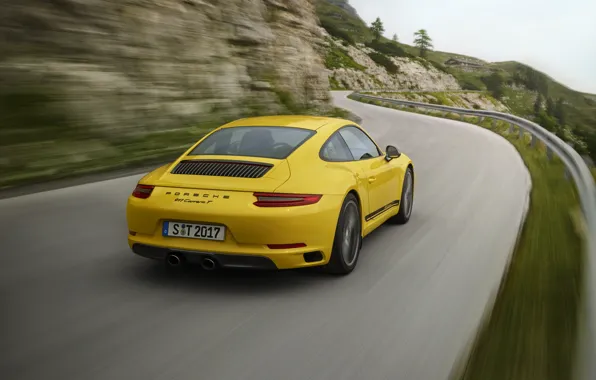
(550, 107)
(423, 42)
(377, 29)
(538, 105)
(559, 111)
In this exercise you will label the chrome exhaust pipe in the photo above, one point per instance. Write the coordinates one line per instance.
(173, 260)
(208, 264)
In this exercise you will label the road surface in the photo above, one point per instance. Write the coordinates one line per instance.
(77, 304)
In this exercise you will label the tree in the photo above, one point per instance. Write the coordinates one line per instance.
(423, 42)
(395, 37)
(538, 105)
(494, 83)
(550, 107)
(377, 29)
(559, 111)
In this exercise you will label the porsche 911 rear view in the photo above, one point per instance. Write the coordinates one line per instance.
(262, 193)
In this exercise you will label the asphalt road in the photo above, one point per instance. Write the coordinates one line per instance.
(77, 304)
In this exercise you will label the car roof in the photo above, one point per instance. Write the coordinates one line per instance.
(296, 121)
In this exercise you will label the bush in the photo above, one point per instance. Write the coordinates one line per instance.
(494, 83)
(338, 58)
(547, 122)
(469, 85)
(335, 31)
(384, 61)
(388, 48)
(439, 67)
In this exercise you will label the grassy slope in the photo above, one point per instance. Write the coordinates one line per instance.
(531, 331)
(335, 17)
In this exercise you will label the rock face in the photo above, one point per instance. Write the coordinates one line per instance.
(128, 67)
(412, 74)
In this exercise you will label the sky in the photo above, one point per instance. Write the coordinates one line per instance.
(557, 37)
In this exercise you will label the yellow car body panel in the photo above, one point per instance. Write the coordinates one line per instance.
(250, 229)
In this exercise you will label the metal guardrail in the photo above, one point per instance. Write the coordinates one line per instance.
(580, 172)
(403, 90)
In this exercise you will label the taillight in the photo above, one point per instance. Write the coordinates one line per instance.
(285, 200)
(142, 191)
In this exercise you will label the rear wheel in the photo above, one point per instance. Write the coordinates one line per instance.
(406, 200)
(348, 238)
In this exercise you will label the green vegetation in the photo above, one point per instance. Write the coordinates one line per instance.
(334, 84)
(444, 98)
(65, 157)
(383, 60)
(571, 109)
(341, 24)
(494, 83)
(531, 332)
(468, 80)
(68, 154)
(338, 57)
(388, 48)
(532, 329)
(423, 42)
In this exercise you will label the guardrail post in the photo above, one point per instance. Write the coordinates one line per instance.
(494, 123)
(480, 119)
(534, 141)
(521, 132)
(462, 116)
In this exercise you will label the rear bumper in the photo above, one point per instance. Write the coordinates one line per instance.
(231, 260)
(250, 230)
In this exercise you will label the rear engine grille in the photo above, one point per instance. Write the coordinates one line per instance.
(240, 169)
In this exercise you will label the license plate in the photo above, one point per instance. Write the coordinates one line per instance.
(194, 230)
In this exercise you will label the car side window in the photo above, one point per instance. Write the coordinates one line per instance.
(360, 145)
(335, 149)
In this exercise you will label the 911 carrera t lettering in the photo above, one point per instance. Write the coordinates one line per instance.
(186, 200)
(280, 192)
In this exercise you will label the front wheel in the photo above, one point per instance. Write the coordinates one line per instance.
(348, 238)
(406, 200)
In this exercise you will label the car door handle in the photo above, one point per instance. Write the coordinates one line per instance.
(371, 179)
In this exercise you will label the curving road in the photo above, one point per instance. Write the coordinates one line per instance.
(76, 304)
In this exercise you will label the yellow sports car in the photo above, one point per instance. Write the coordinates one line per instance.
(272, 192)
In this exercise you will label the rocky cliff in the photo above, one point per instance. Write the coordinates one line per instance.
(358, 67)
(120, 69)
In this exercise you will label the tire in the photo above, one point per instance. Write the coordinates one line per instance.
(348, 238)
(406, 201)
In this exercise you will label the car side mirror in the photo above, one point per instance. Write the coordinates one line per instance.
(391, 152)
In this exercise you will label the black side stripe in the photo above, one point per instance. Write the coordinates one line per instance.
(378, 212)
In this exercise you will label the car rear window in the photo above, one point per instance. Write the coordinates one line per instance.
(266, 142)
